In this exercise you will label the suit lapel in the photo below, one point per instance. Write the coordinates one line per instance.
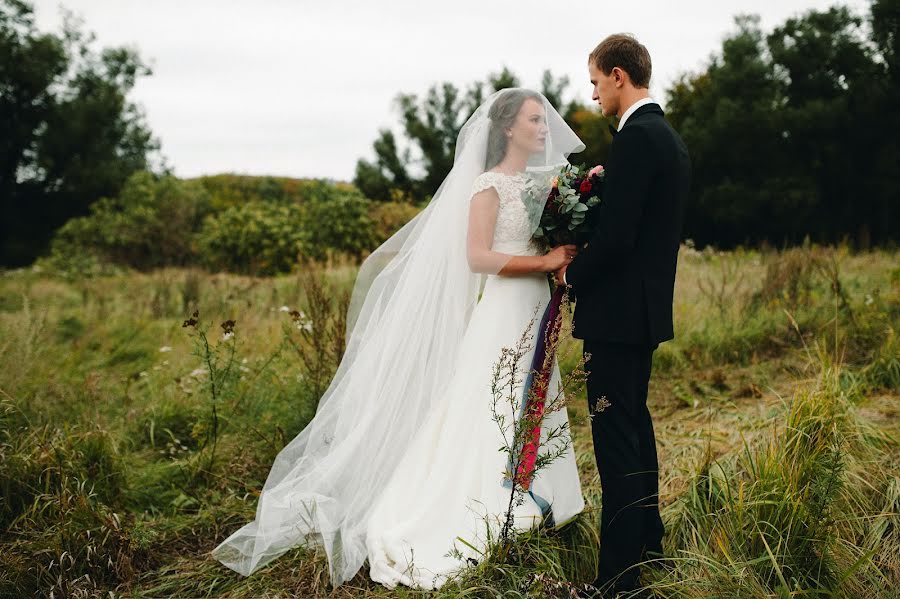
(646, 108)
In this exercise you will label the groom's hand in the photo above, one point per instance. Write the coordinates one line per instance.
(560, 274)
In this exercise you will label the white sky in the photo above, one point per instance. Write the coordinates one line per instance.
(300, 88)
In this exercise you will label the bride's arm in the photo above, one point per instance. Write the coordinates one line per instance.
(482, 259)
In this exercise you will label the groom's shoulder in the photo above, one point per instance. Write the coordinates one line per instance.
(650, 118)
(645, 121)
(640, 129)
(651, 124)
(650, 136)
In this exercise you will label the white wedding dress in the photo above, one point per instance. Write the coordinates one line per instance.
(449, 483)
(403, 455)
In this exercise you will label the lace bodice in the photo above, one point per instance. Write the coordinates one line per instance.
(513, 223)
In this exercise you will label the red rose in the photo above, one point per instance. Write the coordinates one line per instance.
(585, 186)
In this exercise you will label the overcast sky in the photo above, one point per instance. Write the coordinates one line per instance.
(300, 88)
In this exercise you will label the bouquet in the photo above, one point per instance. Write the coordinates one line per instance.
(573, 196)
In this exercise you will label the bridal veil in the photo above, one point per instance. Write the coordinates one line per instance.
(410, 306)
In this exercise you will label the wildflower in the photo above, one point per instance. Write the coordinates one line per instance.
(192, 321)
(165, 348)
(284, 309)
(302, 322)
(198, 372)
(227, 336)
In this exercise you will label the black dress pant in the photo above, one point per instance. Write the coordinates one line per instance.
(625, 450)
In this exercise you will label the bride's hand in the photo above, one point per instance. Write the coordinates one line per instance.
(559, 256)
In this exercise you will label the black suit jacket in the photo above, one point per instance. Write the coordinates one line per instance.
(624, 278)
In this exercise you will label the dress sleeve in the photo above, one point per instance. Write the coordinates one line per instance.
(484, 205)
(484, 181)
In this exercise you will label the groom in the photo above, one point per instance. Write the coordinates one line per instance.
(623, 279)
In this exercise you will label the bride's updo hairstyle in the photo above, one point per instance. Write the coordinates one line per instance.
(502, 115)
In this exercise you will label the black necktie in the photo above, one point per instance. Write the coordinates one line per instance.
(613, 130)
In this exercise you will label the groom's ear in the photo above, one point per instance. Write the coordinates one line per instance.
(622, 78)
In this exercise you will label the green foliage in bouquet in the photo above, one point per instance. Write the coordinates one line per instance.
(574, 194)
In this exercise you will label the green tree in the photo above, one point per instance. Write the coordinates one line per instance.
(729, 117)
(430, 126)
(793, 133)
(829, 83)
(885, 118)
(68, 134)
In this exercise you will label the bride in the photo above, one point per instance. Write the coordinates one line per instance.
(401, 460)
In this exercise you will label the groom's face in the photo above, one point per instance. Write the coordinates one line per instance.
(606, 92)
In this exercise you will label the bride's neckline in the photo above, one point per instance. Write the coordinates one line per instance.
(518, 174)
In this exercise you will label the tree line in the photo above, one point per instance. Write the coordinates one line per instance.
(793, 132)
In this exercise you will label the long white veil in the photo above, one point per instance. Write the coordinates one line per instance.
(411, 303)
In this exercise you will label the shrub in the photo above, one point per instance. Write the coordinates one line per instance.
(389, 217)
(150, 224)
(267, 238)
(340, 223)
(256, 237)
(229, 190)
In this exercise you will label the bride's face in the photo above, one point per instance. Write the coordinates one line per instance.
(529, 131)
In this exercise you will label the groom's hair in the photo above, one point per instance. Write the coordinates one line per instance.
(624, 51)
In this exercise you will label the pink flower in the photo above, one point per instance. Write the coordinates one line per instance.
(597, 170)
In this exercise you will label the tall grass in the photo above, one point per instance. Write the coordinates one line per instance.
(811, 511)
(775, 409)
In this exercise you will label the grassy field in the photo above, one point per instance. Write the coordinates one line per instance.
(130, 445)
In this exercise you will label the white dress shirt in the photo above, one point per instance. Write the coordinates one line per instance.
(631, 110)
(622, 120)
